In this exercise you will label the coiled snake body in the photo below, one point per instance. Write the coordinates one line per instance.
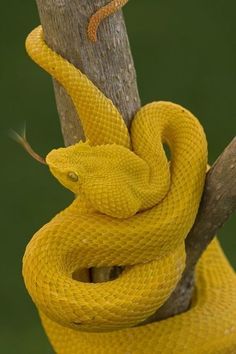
(134, 209)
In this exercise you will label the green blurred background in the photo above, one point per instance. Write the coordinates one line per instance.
(184, 51)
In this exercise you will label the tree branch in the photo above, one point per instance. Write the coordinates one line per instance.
(217, 204)
(109, 64)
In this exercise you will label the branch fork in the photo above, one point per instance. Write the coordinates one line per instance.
(109, 64)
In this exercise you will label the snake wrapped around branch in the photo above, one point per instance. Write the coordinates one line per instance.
(133, 208)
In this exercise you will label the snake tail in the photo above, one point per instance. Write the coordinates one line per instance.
(100, 15)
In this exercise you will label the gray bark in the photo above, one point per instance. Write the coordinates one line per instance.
(108, 63)
(217, 204)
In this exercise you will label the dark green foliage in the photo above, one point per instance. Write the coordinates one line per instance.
(184, 52)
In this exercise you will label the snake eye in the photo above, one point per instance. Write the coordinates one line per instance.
(73, 176)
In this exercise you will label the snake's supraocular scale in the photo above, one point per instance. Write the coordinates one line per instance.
(133, 208)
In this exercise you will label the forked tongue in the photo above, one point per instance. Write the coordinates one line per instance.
(21, 139)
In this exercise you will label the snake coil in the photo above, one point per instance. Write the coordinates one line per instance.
(133, 208)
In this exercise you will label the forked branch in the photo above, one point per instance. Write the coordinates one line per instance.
(217, 204)
(108, 63)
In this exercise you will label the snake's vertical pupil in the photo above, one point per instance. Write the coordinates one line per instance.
(73, 176)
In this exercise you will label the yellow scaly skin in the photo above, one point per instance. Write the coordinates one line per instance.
(102, 13)
(132, 209)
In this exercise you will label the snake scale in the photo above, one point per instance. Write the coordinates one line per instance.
(133, 208)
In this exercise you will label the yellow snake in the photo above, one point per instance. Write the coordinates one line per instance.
(133, 208)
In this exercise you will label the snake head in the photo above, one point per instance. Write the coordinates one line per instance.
(106, 176)
(66, 164)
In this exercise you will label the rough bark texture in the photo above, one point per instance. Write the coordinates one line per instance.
(217, 204)
(109, 64)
